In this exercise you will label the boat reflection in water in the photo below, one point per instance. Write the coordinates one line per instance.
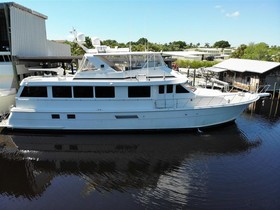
(137, 162)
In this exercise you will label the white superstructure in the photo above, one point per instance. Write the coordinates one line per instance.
(121, 91)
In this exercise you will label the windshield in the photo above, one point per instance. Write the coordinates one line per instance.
(132, 62)
(122, 62)
(87, 65)
(189, 87)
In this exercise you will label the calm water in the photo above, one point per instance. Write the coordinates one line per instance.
(236, 166)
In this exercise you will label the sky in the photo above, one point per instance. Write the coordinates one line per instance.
(163, 21)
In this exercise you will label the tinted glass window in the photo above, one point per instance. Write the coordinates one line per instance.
(161, 89)
(71, 116)
(180, 89)
(62, 92)
(104, 92)
(34, 92)
(83, 91)
(139, 91)
(169, 89)
(55, 116)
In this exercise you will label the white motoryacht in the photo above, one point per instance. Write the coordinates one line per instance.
(121, 91)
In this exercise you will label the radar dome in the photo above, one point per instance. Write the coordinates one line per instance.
(81, 37)
(95, 41)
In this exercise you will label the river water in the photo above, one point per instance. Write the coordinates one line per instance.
(234, 166)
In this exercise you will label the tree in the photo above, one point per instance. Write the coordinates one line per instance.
(275, 53)
(75, 48)
(88, 43)
(207, 44)
(177, 46)
(239, 52)
(110, 43)
(221, 44)
(142, 41)
(257, 52)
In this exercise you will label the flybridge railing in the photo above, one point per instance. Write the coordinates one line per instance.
(263, 89)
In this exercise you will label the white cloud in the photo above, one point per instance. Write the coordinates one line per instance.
(223, 11)
(234, 14)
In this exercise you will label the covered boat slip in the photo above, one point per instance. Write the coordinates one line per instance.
(248, 75)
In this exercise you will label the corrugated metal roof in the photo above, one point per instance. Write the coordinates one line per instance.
(13, 4)
(246, 65)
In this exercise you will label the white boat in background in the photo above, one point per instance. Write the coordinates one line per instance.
(121, 91)
(7, 84)
(7, 100)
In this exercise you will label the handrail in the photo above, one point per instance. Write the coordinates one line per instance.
(5, 56)
(264, 89)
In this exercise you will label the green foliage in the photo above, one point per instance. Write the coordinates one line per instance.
(239, 52)
(257, 52)
(142, 41)
(75, 48)
(110, 42)
(260, 51)
(195, 64)
(221, 44)
(275, 54)
(88, 43)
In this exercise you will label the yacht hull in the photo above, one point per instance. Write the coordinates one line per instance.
(137, 120)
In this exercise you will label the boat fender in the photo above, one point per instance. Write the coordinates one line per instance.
(199, 131)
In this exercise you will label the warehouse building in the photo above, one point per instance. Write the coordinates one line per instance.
(23, 35)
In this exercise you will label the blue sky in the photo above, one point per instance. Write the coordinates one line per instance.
(163, 21)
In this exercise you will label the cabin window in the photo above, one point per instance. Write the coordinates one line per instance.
(139, 92)
(161, 89)
(181, 89)
(62, 92)
(71, 116)
(104, 92)
(55, 116)
(83, 91)
(169, 89)
(34, 91)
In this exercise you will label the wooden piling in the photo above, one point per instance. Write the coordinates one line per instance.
(272, 99)
(277, 103)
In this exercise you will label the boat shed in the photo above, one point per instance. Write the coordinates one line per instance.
(248, 74)
(23, 35)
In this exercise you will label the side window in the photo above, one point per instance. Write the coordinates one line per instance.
(181, 89)
(104, 92)
(83, 91)
(62, 91)
(169, 89)
(37, 91)
(161, 89)
(139, 91)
